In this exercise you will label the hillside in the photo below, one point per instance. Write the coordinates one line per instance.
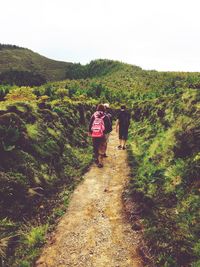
(21, 66)
(116, 82)
(17, 59)
(44, 147)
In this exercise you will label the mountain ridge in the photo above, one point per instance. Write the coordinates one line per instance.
(23, 67)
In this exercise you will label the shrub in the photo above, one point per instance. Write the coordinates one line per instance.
(21, 94)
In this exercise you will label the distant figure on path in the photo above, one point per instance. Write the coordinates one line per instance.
(108, 114)
(123, 122)
(98, 128)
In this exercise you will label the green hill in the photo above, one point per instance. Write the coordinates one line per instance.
(44, 145)
(21, 66)
(19, 60)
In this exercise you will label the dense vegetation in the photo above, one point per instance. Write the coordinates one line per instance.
(165, 159)
(20, 78)
(43, 147)
(43, 139)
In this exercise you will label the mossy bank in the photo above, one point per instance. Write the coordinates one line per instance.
(165, 159)
(43, 148)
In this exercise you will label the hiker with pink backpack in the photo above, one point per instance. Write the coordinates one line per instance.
(109, 115)
(98, 128)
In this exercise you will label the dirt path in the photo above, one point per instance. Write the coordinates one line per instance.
(94, 232)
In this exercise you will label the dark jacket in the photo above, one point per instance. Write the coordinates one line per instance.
(124, 119)
(109, 115)
(107, 124)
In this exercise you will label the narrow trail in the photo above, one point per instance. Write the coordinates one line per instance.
(94, 231)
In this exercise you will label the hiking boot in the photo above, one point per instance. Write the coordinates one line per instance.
(123, 147)
(105, 156)
(119, 147)
(100, 165)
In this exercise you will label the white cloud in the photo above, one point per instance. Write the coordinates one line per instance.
(154, 34)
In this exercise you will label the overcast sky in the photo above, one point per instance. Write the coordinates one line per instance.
(153, 34)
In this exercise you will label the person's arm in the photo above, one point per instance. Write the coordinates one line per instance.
(117, 125)
(107, 125)
(110, 117)
(90, 124)
(129, 119)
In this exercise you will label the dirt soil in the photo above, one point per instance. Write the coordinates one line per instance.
(94, 232)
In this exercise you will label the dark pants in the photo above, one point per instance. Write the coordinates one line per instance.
(123, 133)
(99, 146)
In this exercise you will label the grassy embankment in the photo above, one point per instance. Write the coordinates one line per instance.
(165, 159)
(44, 150)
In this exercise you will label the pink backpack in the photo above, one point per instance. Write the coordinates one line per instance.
(98, 126)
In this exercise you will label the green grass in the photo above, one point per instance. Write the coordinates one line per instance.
(33, 131)
(165, 176)
(31, 240)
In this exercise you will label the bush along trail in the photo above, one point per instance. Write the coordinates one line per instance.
(165, 159)
(43, 149)
(94, 231)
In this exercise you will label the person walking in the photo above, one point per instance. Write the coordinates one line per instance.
(122, 125)
(108, 114)
(99, 126)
